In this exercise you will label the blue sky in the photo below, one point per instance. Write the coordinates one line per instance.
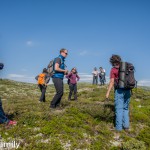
(33, 31)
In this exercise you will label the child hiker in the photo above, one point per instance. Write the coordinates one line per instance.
(72, 81)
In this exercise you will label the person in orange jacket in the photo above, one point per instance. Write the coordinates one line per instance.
(43, 79)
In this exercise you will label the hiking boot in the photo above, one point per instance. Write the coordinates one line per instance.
(127, 130)
(52, 107)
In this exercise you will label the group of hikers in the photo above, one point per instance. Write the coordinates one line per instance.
(122, 89)
(57, 75)
(101, 75)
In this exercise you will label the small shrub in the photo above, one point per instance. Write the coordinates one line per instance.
(134, 144)
(144, 135)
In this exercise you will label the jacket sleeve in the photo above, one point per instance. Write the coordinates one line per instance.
(36, 78)
(78, 77)
(47, 79)
(69, 75)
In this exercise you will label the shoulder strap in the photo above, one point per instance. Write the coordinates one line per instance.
(61, 61)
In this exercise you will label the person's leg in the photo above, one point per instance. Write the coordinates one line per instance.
(3, 118)
(93, 80)
(103, 82)
(100, 81)
(61, 93)
(43, 94)
(70, 92)
(40, 87)
(126, 109)
(75, 91)
(119, 98)
(96, 78)
(58, 83)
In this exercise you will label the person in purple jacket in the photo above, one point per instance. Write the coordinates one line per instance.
(73, 78)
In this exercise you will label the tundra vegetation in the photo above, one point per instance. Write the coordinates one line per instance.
(86, 124)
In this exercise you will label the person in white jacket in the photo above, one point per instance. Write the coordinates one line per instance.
(95, 76)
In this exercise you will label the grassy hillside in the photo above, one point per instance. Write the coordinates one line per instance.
(86, 124)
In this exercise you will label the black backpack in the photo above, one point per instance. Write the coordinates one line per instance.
(126, 76)
(68, 81)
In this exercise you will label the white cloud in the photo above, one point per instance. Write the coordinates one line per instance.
(84, 77)
(21, 78)
(83, 53)
(29, 43)
(144, 83)
(16, 76)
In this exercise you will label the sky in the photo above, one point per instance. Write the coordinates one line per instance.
(33, 31)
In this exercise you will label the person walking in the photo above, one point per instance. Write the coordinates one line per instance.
(3, 117)
(58, 76)
(95, 76)
(43, 80)
(122, 96)
(73, 78)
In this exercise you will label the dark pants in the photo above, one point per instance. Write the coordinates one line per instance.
(59, 86)
(73, 88)
(102, 81)
(95, 80)
(43, 91)
(3, 118)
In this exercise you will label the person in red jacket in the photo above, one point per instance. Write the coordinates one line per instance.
(122, 96)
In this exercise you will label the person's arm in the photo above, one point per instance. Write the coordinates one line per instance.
(99, 75)
(111, 85)
(69, 75)
(47, 79)
(37, 77)
(78, 78)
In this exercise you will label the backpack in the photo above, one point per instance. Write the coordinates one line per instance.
(126, 76)
(68, 81)
(41, 78)
(50, 67)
